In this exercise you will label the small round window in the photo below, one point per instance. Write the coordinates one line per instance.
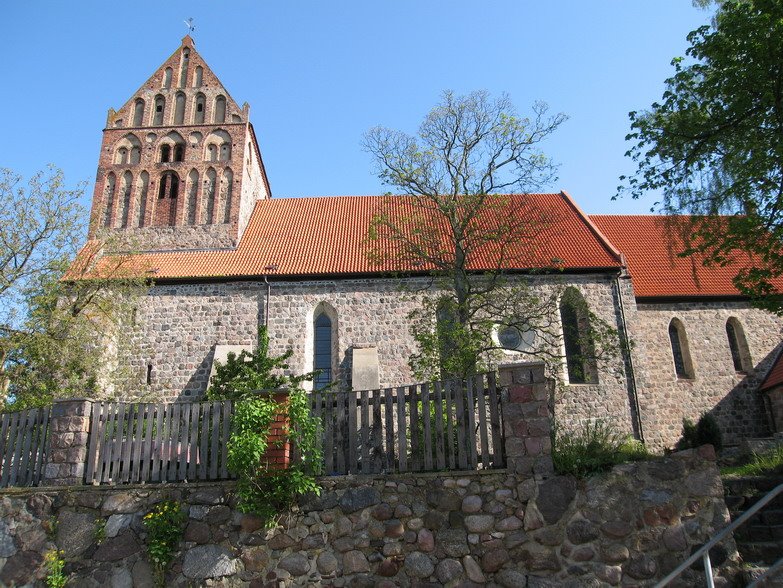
(512, 338)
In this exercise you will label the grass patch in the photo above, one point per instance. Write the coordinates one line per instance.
(769, 462)
(594, 447)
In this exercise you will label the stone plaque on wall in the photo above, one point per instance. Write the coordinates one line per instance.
(365, 375)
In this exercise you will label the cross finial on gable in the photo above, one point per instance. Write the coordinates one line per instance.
(190, 24)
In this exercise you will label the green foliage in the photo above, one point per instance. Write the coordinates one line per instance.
(261, 488)
(760, 464)
(249, 372)
(713, 144)
(165, 526)
(99, 533)
(705, 431)
(55, 564)
(593, 448)
(58, 316)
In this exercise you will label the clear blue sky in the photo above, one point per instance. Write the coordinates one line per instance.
(319, 74)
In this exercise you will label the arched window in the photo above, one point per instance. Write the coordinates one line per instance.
(681, 355)
(209, 195)
(225, 198)
(199, 76)
(141, 205)
(135, 154)
(220, 109)
(169, 185)
(125, 199)
(166, 208)
(322, 351)
(122, 156)
(165, 153)
(108, 199)
(192, 197)
(138, 112)
(225, 152)
(167, 78)
(179, 109)
(183, 72)
(579, 353)
(738, 345)
(198, 116)
(179, 152)
(211, 152)
(160, 107)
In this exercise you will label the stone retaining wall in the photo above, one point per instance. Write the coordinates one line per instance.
(629, 526)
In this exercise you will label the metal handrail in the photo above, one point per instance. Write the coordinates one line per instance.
(704, 550)
(768, 574)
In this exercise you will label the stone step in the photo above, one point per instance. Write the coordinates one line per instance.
(769, 518)
(751, 532)
(752, 485)
(752, 572)
(767, 552)
(740, 503)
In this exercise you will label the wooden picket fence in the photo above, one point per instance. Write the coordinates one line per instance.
(23, 445)
(133, 443)
(454, 425)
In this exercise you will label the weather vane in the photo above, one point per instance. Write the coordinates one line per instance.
(190, 25)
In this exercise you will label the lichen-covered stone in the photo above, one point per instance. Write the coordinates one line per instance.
(209, 561)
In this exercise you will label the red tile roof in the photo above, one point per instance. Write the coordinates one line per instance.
(328, 236)
(775, 376)
(651, 243)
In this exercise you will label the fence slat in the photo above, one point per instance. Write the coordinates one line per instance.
(365, 432)
(341, 433)
(171, 471)
(389, 418)
(481, 404)
(146, 451)
(227, 413)
(159, 442)
(214, 460)
(116, 452)
(195, 415)
(494, 415)
(329, 399)
(92, 447)
(138, 441)
(204, 457)
(128, 439)
(27, 440)
(402, 445)
(440, 456)
(377, 433)
(471, 424)
(415, 428)
(4, 442)
(427, 419)
(450, 442)
(165, 440)
(109, 429)
(42, 442)
(462, 457)
(353, 458)
(184, 446)
(18, 442)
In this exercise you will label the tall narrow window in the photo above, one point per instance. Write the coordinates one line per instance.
(179, 109)
(122, 156)
(580, 357)
(135, 154)
(179, 152)
(209, 196)
(166, 209)
(738, 345)
(228, 187)
(681, 356)
(225, 152)
(192, 197)
(322, 354)
(167, 78)
(108, 199)
(125, 199)
(165, 153)
(220, 109)
(138, 112)
(160, 107)
(212, 153)
(141, 204)
(198, 117)
(183, 72)
(199, 75)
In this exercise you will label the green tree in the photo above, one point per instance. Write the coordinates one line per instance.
(713, 145)
(61, 308)
(468, 152)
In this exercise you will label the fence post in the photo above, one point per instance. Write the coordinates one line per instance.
(69, 431)
(526, 418)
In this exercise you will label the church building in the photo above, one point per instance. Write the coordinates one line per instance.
(180, 176)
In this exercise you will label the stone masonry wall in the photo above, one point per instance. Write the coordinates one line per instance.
(717, 388)
(630, 526)
(179, 325)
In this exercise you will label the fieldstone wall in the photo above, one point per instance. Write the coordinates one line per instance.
(492, 528)
(717, 388)
(178, 327)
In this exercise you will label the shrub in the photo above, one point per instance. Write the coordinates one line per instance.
(55, 564)
(165, 527)
(594, 447)
(705, 431)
